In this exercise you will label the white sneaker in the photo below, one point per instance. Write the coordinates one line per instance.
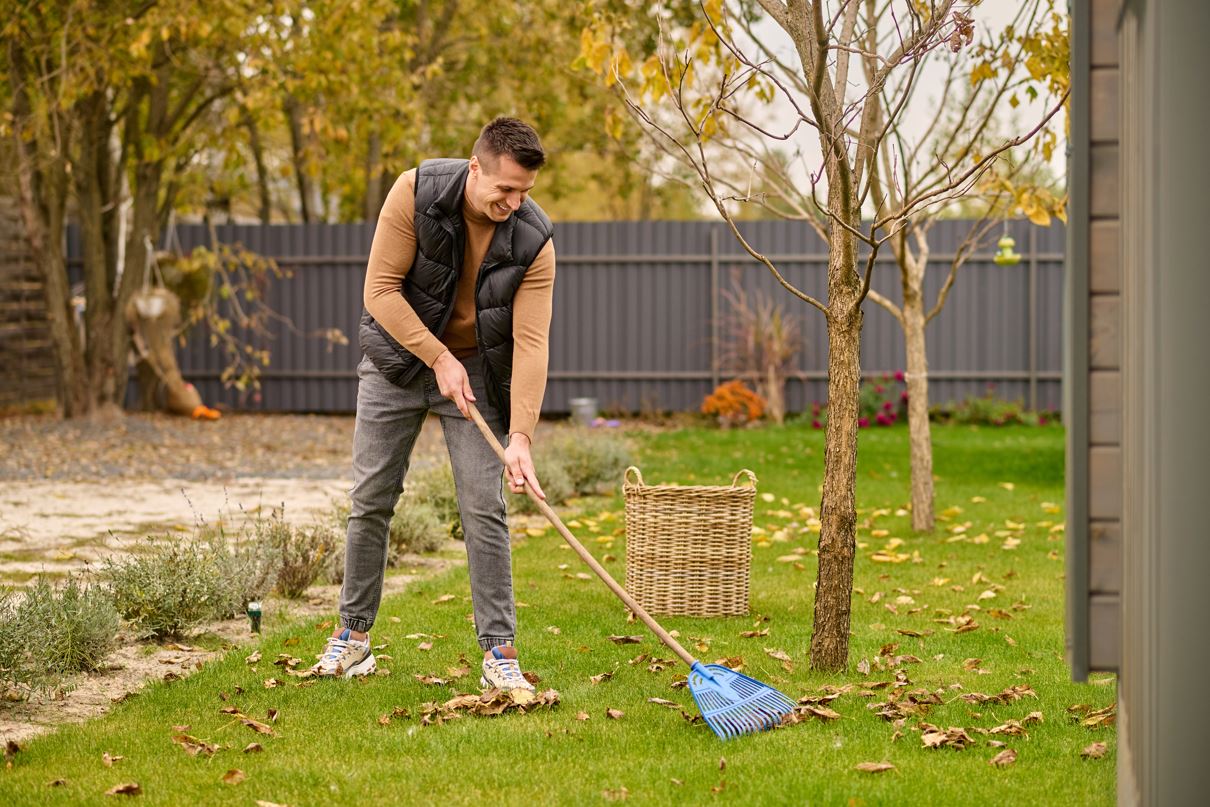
(345, 657)
(503, 673)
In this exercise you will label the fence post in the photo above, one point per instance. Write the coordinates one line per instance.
(1033, 318)
(715, 380)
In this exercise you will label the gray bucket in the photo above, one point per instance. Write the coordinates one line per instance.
(583, 410)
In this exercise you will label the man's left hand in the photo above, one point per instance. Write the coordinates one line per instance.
(519, 466)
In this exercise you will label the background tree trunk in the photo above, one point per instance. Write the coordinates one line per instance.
(374, 195)
(775, 391)
(258, 156)
(297, 147)
(919, 434)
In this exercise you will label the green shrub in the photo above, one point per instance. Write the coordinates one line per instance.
(16, 668)
(68, 630)
(249, 569)
(333, 570)
(590, 458)
(173, 586)
(556, 483)
(301, 552)
(415, 527)
(988, 410)
(435, 487)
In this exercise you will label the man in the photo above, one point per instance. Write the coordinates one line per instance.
(458, 295)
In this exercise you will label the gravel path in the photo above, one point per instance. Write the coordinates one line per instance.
(72, 492)
(154, 446)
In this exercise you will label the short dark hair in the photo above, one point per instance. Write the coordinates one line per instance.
(512, 137)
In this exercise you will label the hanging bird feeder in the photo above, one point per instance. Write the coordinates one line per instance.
(1006, 256)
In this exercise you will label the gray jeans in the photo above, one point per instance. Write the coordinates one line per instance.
(389, 419)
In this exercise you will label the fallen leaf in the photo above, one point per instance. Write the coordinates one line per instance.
(753, 634)
(253, 748)
(271, 683)
(626, 639)
(874, 767)
(1003, 759)
(663, 702)
(581, 716)
(1095, 751)
(596, 679)
(234, 776)
(252, 659)
(193, 746)
(257, 726)
(431, 680)
(126, 789)
(934, 737)
(521, 697)
(108, 760)
(443, 598)
(424, 647)
(614, 714)
(616, 794)
(56, 783)
(722, 763)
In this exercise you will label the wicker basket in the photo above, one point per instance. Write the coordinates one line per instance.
(689, 548)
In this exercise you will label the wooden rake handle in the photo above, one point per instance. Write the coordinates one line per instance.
(584, 554)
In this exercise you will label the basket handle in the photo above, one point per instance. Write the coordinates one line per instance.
(751, 478)
(638, 476)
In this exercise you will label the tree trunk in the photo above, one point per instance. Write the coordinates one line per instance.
(262, 173)
(775, 392)
(297, 157)
(372, 201)
(42, 193)
(44, 223)
(838, 510)
(91, 180)
(918, 409)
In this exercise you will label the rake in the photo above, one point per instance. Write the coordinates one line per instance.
(730, 702)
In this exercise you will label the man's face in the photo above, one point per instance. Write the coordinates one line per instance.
(497, 190)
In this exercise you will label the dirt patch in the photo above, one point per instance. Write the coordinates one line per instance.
(58, 527)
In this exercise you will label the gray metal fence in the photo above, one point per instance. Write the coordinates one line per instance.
(638, 307)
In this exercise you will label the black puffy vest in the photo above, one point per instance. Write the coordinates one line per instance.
(431, 284)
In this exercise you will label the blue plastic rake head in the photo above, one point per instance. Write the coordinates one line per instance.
(732, 703)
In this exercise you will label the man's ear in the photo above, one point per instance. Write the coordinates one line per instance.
(474, 164)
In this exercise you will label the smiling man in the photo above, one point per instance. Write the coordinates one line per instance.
(458, 295)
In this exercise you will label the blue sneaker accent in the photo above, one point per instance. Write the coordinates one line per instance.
(345, 634)
(496, 653)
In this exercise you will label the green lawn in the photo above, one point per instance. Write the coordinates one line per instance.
(330, 747)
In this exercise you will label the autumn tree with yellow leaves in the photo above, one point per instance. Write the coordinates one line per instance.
(851, 70)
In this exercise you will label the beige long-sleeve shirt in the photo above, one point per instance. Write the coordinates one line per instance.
(391, 256)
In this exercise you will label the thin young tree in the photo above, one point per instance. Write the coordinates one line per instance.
(850, 71)
(1023, 60)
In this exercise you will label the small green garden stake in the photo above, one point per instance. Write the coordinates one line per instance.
(731, 703)
(254, 614)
